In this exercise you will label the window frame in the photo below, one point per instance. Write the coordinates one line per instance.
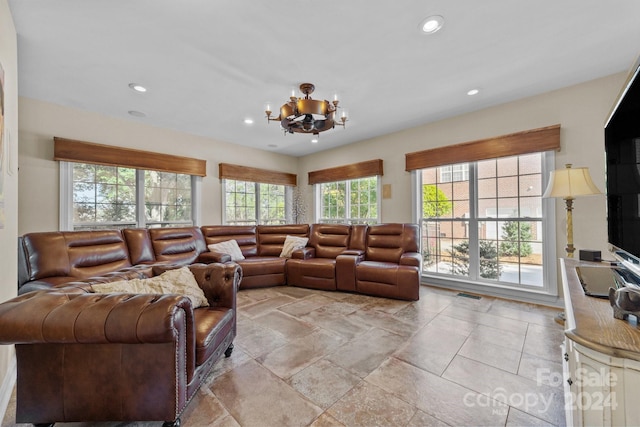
(548, 292)
(347, 219)
(66, 222)
(288, 197)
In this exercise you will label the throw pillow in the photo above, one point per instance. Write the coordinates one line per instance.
(291, 243)
(230, 247)
(179, 281)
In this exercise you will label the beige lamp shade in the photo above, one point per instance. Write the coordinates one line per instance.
(570, 182)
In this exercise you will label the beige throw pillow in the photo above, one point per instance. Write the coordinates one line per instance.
(291, 243)
(230, 247)
(179, 281)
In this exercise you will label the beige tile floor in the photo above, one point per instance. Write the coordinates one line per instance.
(306, 357)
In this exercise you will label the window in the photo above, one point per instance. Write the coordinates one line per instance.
(459, 172)
(486, 226)
(254, 203)
(103, 186)
(167, 199)
(352, 201)
(102, 197)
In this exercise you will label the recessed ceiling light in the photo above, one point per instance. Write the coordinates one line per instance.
(431, 24)
(314, 140)
(135, 113)
(137, 87)
(473, 92)
(272, 146)
(248, 121)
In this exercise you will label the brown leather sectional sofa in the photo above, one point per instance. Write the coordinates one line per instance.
(83, 356)
(379, 260)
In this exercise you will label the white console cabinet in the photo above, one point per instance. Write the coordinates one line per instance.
(601, 359)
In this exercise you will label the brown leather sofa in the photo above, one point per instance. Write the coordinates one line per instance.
(83, 356)
(379, 260)
(261, 246)
(315, 265)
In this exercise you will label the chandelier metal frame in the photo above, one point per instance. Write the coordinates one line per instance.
(307, 115)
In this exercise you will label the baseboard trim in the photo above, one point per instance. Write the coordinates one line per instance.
(6, 390)
(528, 297)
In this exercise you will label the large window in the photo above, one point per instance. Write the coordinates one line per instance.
(254, 203)
(119, 197)
(485, 223)
(352, 201)
(103, 186)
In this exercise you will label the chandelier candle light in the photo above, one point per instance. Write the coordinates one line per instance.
(307, 115)
(568, 184)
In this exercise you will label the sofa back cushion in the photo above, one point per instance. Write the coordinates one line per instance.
(92, 253)
(329, 240)
(180, 245)
(73, 253)
(271, 237)
(245, 235)
(45, 255)
(139, 245)
(358, 240)
(387, 242)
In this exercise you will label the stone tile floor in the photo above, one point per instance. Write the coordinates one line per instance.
(305, 357)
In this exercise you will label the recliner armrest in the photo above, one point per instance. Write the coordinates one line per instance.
(304, 253)
(411, 258)
(346, 264)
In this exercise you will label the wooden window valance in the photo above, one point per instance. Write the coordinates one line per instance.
(530, 141)
(245, 173)
(70, 150)
(352, 171)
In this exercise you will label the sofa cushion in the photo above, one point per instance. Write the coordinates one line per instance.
(212, 326)
(178, 281)
(291, 243)
(230, 247)
(256, 266)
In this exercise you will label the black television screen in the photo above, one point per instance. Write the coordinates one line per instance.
(622, 148)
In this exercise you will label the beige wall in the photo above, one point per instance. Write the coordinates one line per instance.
(39, 183)
(581, 110)
(9, 171)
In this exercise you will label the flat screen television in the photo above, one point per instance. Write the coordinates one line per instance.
(622, 148)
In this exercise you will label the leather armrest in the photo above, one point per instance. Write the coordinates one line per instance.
(220, 282)
(411, 258)
(346, 264)
(355, 252)
(70, 318)
(304, 253)
(212, 256)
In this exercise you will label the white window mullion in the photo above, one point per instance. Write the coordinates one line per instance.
(66, 196)
(474, 242)
(141, 217)
(196, 205)
(258, 206)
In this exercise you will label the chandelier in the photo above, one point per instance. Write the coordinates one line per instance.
(307, 115)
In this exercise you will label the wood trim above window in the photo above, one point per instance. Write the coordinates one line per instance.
(245, 173)
(530, 141)
(70, 150)
(342, 173)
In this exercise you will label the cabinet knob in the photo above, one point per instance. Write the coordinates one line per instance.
(566, 357)
(569, 381)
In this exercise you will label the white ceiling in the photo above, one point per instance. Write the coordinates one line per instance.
(208, 65)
